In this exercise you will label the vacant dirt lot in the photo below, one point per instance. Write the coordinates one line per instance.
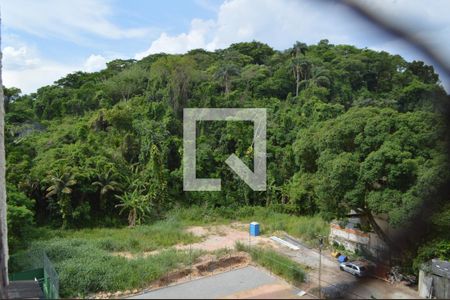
(223, 236)
(213, 238)
(335, 283)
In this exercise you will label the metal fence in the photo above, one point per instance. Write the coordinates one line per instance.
(51, 279)
(39, 267)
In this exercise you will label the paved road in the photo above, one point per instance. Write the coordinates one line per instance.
(217, 286)
(251, 282)
(336, 283)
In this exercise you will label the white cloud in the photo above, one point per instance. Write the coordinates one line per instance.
(281, 22)
(67, 19)
(195, 38)
(94, 63)
(278, 23)
(24, 68)
(19, 58)
(29, 80)
(208, 5)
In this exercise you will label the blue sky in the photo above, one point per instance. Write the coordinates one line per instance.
(44, 40)
(149, 17)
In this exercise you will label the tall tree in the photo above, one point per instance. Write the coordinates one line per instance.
(299, 63)
(107, 184)
(226, 72)
(176, 74)
(317, 76)
(61, 187)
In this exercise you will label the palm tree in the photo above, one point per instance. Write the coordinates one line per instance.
(300, 67)
(298, 49)
(299, 63)
(61, 187)
(136, 204)
(225, 73)
(273, 192)
(107, 184)
(318, 76)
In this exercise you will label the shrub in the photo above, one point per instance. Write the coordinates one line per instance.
(20, 217)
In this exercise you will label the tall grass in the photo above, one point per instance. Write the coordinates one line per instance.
(275, 262)
(141, 238)
(84, 268)
(85, 265)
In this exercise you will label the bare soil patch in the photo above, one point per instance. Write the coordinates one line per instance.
(207, 266)
(214, 238)
(223, 236)
(279, 290)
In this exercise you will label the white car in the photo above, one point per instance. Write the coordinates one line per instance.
(355, 268)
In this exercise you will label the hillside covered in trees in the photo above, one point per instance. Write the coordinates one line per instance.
(348, 129)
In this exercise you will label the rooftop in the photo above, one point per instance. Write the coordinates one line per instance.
(440, 268)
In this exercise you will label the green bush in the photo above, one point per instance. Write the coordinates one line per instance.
(20, 217)
(438, 248)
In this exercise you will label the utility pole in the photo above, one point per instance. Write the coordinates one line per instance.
(320, 265)
(3, 225)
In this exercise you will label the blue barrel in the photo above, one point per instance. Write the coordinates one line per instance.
(254, 228)
(342, 258)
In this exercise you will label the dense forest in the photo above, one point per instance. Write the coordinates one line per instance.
(348, 129)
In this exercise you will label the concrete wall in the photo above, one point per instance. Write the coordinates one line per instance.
(441, 287)
(355, 239)
(351, 239)
(433, 286)
(424, 284)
